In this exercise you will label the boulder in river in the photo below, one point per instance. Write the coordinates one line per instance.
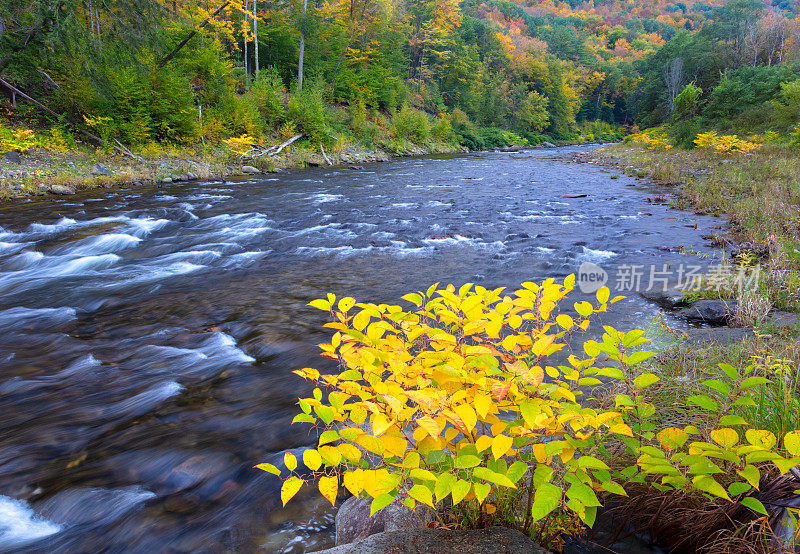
(354, 523)
(714, 312)
(492, 540)
(100, 169)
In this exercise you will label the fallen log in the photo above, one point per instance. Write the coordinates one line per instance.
(256, 150)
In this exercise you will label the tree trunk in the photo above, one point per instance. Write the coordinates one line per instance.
(255, 34)
(244, 39)
(302, 48)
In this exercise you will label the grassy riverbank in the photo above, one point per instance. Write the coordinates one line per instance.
(759, 194)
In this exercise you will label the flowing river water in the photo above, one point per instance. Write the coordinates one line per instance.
(149, 334)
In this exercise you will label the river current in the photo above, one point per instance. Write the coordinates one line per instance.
(149, 334)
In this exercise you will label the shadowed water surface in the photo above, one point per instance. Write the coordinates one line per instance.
(149, 334)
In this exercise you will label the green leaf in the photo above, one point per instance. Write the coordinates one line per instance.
(751, 382)
(304, 418)
(720, 386)
(460, 490)
(613, 487)
(708, 484)
(421, 493)
(325, 413)
(464, 461)
(704, 402)
(380, 502)
(488, 475)
(350, 375)
(645, 380)
(584, 493)
(516, 471)
(730, 371)
(414, 298)
(546, 499)
(751, 473)
(754, 504)
(640, 356)
(738, 488)
(590, 462)
(733, 420)
(444, 485)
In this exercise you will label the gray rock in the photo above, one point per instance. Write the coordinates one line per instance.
(191, 176)
(353, 522)
(178, 178)
(101, 170)
(494, 540)
(13, 157)
(61, 189)
(720, 336)
(783, 319)
(715, 312)
(250, 169)
(670, 298)
(166, 180)
(547, 145)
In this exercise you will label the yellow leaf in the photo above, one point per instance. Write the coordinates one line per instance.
(541, 344)
(353, 481)
(395, 445)
(500, 445)
(483, 403)
(483, 442)
(621, 429)
(430, 425)
(289, 461)
(312, 459)
(290, 488)
(725, 437)
(467, 415)
(380, 423)
(329, 486)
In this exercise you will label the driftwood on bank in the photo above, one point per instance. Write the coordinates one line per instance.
(256, 150)
(84, 132)
(324, 155)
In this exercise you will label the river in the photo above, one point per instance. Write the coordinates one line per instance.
(149, 334)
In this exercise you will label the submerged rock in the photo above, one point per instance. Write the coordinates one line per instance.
(494, 540)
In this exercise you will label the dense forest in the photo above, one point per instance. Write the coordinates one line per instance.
(143, 71)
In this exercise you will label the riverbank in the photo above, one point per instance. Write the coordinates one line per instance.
(38, 171)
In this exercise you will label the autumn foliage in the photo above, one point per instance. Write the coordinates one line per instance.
(458, 403)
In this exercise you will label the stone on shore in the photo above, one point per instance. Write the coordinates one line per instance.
(250, 170)
(494, 540)
(714, 312)
(61, 189)
(353, 522)
(13, 157)
(101, 170)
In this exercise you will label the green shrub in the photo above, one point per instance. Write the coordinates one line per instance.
(307, 113)
(410, 124)
(442, 130)
(269, 93)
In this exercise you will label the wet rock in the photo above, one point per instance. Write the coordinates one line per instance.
(13, 157)
(494, 540)
(720, 336)
(101, 170)
(670, 298)
(353, 522)
(714, 312)
(191, 176)
(547, 145)
(356, 167)
(166, 180)
(574, 195)
(61, 189)
(249, 169)
(179, 178)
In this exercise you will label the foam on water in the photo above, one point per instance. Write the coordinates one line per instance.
(19, 524)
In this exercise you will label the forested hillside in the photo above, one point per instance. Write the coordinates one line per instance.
(143, 71)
